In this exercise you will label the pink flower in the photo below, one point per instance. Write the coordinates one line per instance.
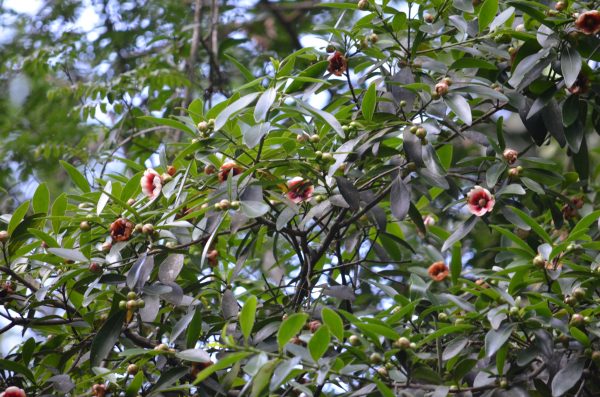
(299, 190)
(589, 22)
(151, 183)
(480, 201)
(229, 167)
(337, 63)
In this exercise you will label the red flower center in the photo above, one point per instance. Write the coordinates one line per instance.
(482, 202)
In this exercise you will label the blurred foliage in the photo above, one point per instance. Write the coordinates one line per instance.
(408, 210)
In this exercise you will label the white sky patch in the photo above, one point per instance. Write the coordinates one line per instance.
(30, 7)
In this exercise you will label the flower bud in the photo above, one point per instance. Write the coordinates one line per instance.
(441, 89)
(95, 267)
(314, 325)
(363, 5)
(577, 320)
(402, 343)
(539, 262)
(210, 169)
(510, 155)
(148, 229)
(203, 126)
(3, 236)
(354, 340)
(375, 358)
(132, 369)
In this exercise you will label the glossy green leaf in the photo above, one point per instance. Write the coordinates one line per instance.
(334, 322)
(78, 179)
(290, 327)
(369, 102)
(319, 342)
(41, 199)
(247, 316)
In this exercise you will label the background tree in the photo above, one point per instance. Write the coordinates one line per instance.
(408, 209)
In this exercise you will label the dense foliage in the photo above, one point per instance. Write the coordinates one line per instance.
(410, 209)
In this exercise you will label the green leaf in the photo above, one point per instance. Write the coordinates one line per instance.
(568, 376)
(580, 336)
(104, 197)
(135, 385)
(315, 70)
(248, 316)
(493, 173)
(194, 328)
(456, 264)
(223, 363)
(290, 327)
(41, 199)
(282, 372)
(399, 199)
(459, 105)
(254, 209)
(461, 232)
(514, 238)
(247, 73)
(264, 104)
(234, 108)
(17, 216)
(104, 341)
(131, 187)
(16, 367)
(194, 355)
(253, 135)
(262, 378)
(77, 178)
(379, 330)
(501, 359)
(167, 378)
(369, 101)
(334, 322)
(487, 13)
(178, 125)
(585, 222)
(319, 342)
(495, 339)
(533, 224)
(570, 64)
(69, 253)
(327, 117)
(383, 389)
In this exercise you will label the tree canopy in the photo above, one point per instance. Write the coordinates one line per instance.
(300, 198)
